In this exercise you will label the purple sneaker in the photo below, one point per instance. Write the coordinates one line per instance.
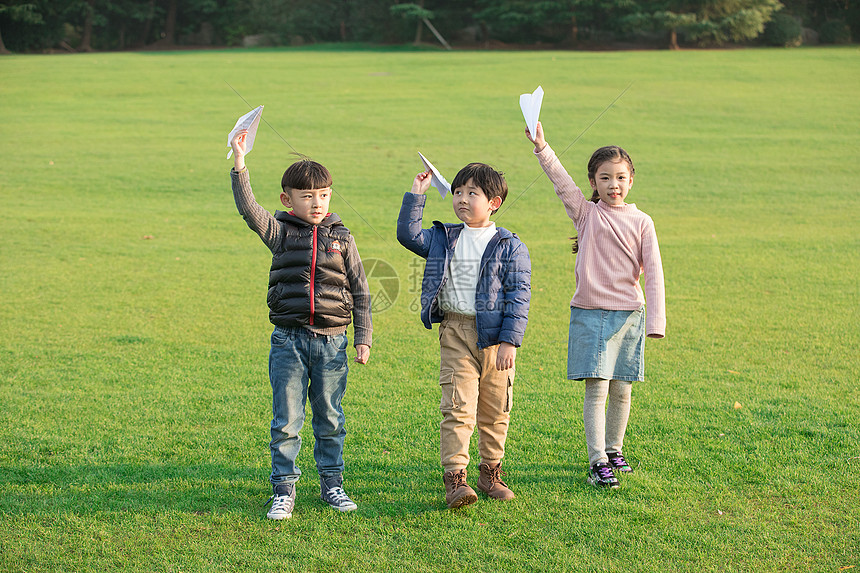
(618, 463)
(601, 476)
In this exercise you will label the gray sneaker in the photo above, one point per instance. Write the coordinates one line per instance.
(283, 500)
(332, 493)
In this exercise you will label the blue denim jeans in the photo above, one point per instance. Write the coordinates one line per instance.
(303, 365)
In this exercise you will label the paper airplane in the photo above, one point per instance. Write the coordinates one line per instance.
(249, 121)
(530, 104)
(436, 179)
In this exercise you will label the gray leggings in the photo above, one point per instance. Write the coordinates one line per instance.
(605, 415)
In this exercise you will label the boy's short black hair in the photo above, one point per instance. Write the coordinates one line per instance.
(491, 181)
(306, 174)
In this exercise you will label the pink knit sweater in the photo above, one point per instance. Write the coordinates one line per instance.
(616, 245)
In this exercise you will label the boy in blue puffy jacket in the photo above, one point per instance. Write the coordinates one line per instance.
(477, 285)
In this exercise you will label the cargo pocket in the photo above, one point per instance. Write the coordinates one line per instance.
(509, 393)
(449, 395)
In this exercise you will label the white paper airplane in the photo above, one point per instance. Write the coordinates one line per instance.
(436, 179)
(530, 104)
(249, 121)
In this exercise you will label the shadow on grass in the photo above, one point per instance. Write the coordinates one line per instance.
(384, 488)
(199, 489)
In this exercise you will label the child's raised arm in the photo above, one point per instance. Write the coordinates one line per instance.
(539, 140)
(238, 145)
(570, 195)
(409, 231)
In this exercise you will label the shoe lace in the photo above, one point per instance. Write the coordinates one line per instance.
(617, 460)
(604, 472)
(337, 495)
(279, 502)
(495, 475)
(458, 479)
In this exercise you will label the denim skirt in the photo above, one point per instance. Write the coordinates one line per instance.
(606, 344)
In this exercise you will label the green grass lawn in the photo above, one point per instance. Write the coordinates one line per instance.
(134, 398)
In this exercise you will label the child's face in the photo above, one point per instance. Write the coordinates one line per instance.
(309, 205)
(612, 181)
(472, 206)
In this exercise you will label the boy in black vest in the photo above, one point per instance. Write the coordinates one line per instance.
(316, 285)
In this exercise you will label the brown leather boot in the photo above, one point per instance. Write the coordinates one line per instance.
(457, 491)
(490, 482)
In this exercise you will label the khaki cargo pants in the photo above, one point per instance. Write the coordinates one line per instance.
(473, 392)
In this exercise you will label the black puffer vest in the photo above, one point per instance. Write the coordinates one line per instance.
(308, 283)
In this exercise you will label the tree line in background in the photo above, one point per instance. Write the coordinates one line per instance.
(88, 25)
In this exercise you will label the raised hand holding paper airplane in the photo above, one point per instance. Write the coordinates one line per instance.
(436, 179)
(530, 104)
(249, 121)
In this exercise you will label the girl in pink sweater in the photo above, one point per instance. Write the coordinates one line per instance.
(616, 244)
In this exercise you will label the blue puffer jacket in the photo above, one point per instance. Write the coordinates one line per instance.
(504, 285)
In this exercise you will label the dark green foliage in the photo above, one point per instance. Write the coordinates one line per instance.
(705, 22)
(115, 24)
(411, 11)
(782, 30)
(30, 25)
(526, 20)
(818, 15)
(835, 32)
(43, 25)
(594, 15)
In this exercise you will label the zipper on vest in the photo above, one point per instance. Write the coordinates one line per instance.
(313, 272)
